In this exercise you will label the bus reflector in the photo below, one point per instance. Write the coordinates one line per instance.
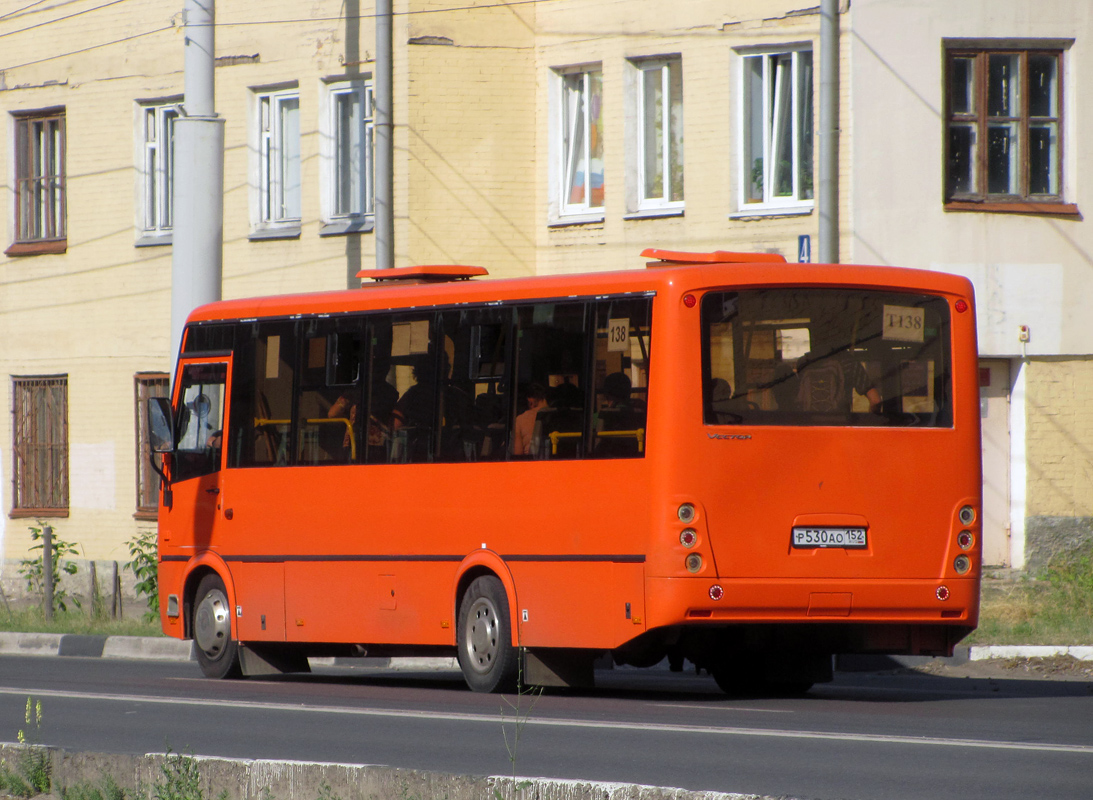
(716, 592)
(942, 593)
(961, 306)
(689, 300)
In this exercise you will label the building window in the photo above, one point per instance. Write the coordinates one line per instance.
(40, 447)
(659, 106)
(157, 172)
(40, 206)
(580, 143)
(1004, 125)
(279, 159)
(347, 150)
(147, 385)
(777, 127)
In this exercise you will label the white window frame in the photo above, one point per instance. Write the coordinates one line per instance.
(335, 163)
(278, 195)
(571, 122)
(803, 185)
(638, 199)
(155, 170)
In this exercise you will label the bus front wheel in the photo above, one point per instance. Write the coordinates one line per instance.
(486, 655)
(217, 651)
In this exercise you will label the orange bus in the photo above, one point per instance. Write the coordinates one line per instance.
(722, 458)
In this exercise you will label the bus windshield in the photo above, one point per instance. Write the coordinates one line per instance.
(812, 356)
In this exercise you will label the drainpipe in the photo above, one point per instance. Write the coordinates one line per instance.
(828, 195)
(384, 125)
(198, 201)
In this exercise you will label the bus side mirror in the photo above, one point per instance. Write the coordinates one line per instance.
(161, 434)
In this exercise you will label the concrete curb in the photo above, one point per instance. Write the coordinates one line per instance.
(241, 779)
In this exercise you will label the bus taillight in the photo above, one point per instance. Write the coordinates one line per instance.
(716, 592)
(688, 537)
(686, 513)
(961, 306)
(942, 593)
(965, 540)
(967, 515)
(962, 564)
(694, 562)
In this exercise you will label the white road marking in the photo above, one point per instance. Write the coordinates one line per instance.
(491, 719)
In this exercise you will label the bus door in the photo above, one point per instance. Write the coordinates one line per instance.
(200, 409)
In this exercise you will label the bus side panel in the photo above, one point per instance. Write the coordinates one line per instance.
(589, 605)
(389, 602)
(259, 601)
(171, 576)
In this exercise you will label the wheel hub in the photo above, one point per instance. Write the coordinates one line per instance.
(481, 639)
(212, 624)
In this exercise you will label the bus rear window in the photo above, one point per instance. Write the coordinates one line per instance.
(801, 356)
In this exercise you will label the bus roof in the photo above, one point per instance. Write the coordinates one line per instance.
(423, 287)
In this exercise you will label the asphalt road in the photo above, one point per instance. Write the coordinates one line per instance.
(864, 737)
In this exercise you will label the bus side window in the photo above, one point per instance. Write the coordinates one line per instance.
(475, 394)
(200, 422)
(328, 405)
(415, 366)
(553, 352)
(622, 377)
(262, 394)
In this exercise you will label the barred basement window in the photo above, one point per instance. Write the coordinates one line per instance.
(147, 385)
(40, 447)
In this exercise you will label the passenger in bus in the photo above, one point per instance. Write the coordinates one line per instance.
(721, 406)
(525, 423)
(618, 415)
(826, 383)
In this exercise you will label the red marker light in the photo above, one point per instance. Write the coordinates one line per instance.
(716, 592)
(689, 300)
(942, 593)
(961, 306)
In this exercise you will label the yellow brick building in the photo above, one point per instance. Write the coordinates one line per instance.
(681, 105)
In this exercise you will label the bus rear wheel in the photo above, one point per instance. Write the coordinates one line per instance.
(484, 637)
(217, 651)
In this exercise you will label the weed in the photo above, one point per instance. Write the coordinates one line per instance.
(34, 767)
(326, 793)
(106, 789)
(33, 569)
(145, 566)
(180, 779)
(514, 726)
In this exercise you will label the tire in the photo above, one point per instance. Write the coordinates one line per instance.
(484, 638)
(217, 651)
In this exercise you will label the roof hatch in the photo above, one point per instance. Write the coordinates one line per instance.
(668, 258)
(427, 273)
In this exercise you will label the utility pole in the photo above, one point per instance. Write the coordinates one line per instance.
(385, 151)
(197, 237)
(828, 195)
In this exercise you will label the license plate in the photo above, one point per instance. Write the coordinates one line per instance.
(829, 537)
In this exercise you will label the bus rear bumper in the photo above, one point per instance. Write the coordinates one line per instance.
(698, 601)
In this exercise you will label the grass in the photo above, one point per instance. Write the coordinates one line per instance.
(32, 620)
(1055, 607)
